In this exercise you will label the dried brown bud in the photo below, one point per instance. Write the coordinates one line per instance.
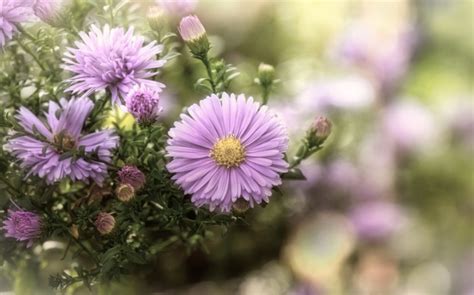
(241, 205)
(104, 223)
(75, 231)
(125, 192)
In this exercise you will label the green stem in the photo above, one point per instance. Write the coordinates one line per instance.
(207, 64)
(299, 158)
(28, 50)
(94, 257)
(265, 95)
(5, 181)
(28, 35)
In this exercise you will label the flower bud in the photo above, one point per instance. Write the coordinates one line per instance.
(132, 175)
(51, 12)
(194, 34)
(104, 223)
(156, 18)
(125, 192)
(240, 205)
(266, 74)
(321, 128)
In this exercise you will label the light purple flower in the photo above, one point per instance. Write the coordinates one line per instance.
(178, 7)
(132, 175)
(13, 12)
(112, 59)
(144, 103)
(22, 226)
(51, 11)
(376, 219)
(45, 147)
(225, 149)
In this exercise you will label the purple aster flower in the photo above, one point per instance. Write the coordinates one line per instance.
(12, 12)
(22, 226)
(225, 149)
(132, 175)
(45, 148)
(144, 103)
(112, 59)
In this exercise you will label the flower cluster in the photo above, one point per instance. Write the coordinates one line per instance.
(99, 179)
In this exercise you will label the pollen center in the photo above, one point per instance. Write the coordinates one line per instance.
(64, 141)
(228, 151)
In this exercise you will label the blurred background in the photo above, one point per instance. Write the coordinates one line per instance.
(387, 207)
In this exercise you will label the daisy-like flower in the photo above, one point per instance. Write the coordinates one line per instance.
(45, 149)
(12, 12)
(112, 59)
(226, 149)
(22, 226)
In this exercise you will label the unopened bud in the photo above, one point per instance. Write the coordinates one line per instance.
(193, 33)
(266, 74)
(322, 128)
(132, 175)
(241, 205)
(156, 18)
(52, 12)
(104, 223)
(125, 192)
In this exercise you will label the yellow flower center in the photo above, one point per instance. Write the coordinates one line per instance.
(228, 151)
(64, 142)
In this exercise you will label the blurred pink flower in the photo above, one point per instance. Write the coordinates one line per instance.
(376, 220)
(409, 126)
(351, 92)
(178, 7)
(387, 59)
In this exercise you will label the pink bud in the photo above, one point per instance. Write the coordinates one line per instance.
(322, 127)
(191, 28)
(125, 192)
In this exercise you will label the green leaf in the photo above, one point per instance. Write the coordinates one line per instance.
(294, 174)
